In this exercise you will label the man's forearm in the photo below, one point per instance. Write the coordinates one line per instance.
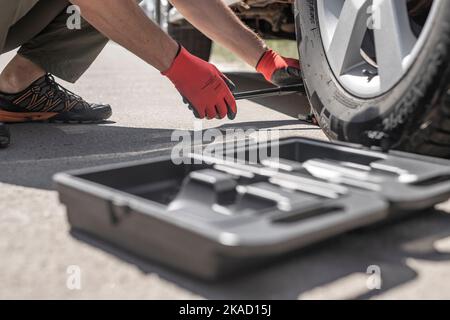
(124, 22)
(219, 23)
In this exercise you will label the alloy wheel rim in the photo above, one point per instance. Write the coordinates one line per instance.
(372, 44)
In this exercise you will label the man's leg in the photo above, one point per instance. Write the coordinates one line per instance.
(19, 74)
(11, 12)
(58, 50)
(48, 46)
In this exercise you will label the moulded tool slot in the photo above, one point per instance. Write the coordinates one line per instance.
(162, 192)
(405, 182)
(205, 188)
(303, 151)
(209, 193)
(282, 199)
(159, 182)
(222, 185)
(432, 181)
(283, 164)
(347, 174)
(253, 204)
(301, 215)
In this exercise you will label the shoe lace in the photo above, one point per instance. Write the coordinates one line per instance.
(60, 91)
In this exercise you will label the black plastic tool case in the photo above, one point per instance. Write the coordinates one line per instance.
(221, 216)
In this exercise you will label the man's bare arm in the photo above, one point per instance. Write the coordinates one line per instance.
(201, 84)
(205, 88)
(124, 22)
(219, 23)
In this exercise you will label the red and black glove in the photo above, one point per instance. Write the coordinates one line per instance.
(203, 87)
(279, 70)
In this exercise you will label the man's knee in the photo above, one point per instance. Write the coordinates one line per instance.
(10, 13)
(31, 18)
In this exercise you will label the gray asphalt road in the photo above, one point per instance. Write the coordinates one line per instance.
(36, 248)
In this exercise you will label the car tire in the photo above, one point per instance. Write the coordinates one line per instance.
(413, 116)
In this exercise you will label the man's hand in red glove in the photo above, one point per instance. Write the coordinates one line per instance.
(279, 70)
(203, 87)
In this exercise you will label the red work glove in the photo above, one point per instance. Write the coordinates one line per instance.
(203, 87)
(279, 70)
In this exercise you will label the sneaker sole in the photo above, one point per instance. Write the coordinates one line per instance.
(17, 117)
(52, 117)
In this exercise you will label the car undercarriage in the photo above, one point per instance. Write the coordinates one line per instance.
(274, 19)
(271, 18)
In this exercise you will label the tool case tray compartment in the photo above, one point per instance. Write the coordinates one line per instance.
(218, 216)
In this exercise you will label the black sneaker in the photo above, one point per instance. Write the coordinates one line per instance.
(45, 100)
(4, 136)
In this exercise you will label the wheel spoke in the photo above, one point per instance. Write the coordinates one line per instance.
(344, 50)
(370, 45)
(394, 39)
